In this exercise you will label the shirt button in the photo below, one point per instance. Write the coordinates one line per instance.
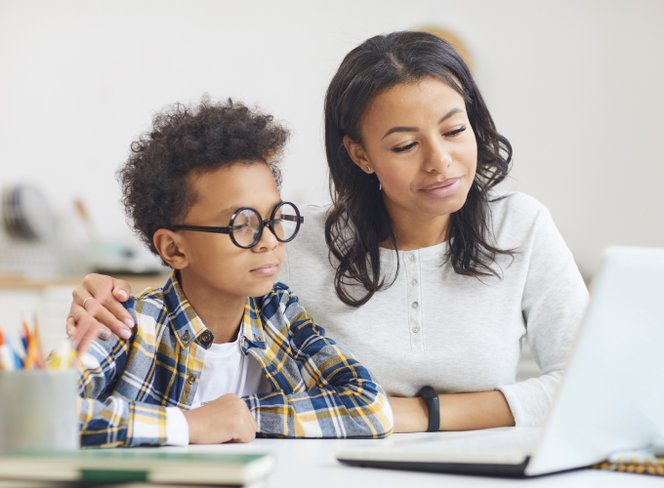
(186, 336)
(413, 282)
(191, 379)
(415, 330)
(415, 305)
(206, 338)
(411, 258)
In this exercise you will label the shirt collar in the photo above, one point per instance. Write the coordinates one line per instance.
(188, 326)
(252, 324)
(183, 319)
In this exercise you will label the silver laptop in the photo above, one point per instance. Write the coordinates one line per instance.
(611, 397)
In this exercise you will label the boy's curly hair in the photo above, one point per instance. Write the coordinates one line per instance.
(183, 141)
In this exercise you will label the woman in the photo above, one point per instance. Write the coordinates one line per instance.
(425, 271)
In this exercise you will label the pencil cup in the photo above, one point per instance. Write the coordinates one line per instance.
(38, 410)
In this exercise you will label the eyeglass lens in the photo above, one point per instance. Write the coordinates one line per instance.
(247, 226)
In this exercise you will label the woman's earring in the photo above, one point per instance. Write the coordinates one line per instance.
(369, 170)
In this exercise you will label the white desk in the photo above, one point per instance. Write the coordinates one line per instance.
(310, 463)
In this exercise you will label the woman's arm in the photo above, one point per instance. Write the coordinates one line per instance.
(553, 301)
(458, 411)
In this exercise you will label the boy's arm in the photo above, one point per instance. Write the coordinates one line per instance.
(116, 422)
(107, 419)
(328, 394)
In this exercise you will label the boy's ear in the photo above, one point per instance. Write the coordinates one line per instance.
(171, 247)
(357, 154)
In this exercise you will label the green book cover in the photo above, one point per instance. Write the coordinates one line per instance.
(151, 465)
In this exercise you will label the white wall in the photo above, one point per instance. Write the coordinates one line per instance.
(575, 85)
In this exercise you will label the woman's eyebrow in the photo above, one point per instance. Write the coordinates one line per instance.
(449, 114)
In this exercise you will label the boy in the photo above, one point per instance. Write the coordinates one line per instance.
(221, 352)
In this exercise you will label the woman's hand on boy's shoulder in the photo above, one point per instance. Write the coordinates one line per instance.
(97, 311)
(225, 419)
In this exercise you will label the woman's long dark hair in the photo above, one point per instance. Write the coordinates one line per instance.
(358, 221)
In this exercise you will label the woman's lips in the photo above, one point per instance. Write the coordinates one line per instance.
(442, 189)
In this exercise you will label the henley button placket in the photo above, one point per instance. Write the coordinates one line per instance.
(414, 299)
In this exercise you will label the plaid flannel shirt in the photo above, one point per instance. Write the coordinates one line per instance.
(318, 389)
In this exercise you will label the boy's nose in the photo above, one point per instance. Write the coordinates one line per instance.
(267, 242)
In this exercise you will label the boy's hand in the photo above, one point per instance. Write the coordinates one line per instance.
(225, 419)
(97, 310)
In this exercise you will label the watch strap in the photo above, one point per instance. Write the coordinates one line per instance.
(430, 397)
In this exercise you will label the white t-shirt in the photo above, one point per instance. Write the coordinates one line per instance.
(226, 369)
(453, 332)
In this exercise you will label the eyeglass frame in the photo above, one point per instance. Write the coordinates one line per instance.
(262, 223)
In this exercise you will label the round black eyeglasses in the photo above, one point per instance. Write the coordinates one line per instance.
(246, 225)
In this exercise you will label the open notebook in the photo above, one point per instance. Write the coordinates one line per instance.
(611, 397)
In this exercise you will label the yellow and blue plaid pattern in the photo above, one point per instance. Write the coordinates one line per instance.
(318, 389)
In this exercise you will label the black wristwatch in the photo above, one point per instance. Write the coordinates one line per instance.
(430, 398)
